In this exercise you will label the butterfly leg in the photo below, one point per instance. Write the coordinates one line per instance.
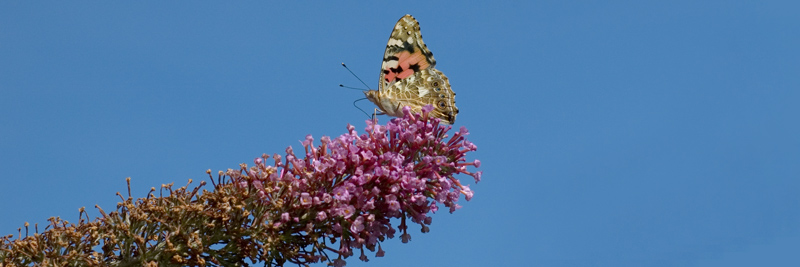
(378, 113)
(375, 114)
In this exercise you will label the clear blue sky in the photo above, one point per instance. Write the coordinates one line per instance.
(611, 133)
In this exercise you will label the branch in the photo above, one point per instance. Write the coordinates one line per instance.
(341, 196)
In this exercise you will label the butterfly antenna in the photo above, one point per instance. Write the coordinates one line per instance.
(354, 104)
(354, 75)
(348, 87)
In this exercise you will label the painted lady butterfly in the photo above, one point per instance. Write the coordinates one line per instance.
(408, 77)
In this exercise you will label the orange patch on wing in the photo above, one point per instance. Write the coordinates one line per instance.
(404, 63)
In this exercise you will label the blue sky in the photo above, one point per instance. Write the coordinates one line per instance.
(611, 133)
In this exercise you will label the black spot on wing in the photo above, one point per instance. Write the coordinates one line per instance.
(396, 70)
(414, 67)
(407, 47)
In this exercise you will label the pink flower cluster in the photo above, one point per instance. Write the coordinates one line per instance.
(348, 188)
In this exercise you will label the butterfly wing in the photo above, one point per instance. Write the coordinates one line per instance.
(408, 76)
(405, 53)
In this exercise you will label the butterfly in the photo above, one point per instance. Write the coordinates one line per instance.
(408, 76)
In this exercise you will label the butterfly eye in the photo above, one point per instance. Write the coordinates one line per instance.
(441, 104)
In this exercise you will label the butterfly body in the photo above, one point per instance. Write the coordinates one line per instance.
(408, 76)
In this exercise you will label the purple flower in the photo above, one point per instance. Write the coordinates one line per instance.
(305, 199)
(367, 155)
(309, 140)
(348, 211)
(341, 193)
(477, 176)
(380, 252)
(357, 226)
(349, 188)
(341, 166)
(393, 205)
(405, 237)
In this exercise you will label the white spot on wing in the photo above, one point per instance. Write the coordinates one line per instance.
(390, 64)
(423, 91)
(395, 42)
